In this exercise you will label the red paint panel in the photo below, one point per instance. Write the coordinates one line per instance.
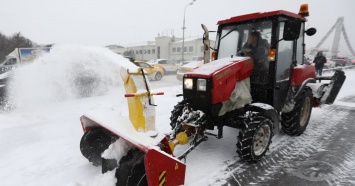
(300, 74)
(224, 80)
(259, 15)
(160, 166)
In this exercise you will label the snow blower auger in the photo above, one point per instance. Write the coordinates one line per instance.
(150, 161)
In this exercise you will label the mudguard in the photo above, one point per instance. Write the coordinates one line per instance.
(267, 110)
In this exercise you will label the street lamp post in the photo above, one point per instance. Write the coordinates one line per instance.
(183, 31)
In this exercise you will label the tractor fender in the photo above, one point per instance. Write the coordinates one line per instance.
(303, 86)
(267, 110)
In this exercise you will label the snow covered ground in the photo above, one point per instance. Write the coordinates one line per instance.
(39, 138)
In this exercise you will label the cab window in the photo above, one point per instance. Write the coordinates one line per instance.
(284, 56)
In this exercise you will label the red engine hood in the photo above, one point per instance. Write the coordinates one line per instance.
(241, 67)
(224, 73)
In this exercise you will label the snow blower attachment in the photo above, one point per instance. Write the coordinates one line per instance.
(326, 93)
(150, 160)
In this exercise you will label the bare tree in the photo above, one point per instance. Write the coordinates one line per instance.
(8, 44)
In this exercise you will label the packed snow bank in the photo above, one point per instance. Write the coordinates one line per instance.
(67, 72)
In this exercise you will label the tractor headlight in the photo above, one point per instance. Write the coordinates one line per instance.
(188, 83)
(201, 85)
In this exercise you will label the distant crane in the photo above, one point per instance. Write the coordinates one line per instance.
(338, 27)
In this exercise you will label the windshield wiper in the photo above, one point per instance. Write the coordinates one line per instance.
(234, 28)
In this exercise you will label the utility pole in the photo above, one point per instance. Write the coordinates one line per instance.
(183, 32)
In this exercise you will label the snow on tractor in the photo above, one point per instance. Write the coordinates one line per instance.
(256, 82)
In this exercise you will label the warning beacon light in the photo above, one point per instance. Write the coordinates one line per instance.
(304, 10)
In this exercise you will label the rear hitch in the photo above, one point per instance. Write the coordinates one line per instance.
(193, 146)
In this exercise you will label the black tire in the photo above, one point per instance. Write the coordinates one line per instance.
(131, 170)
(176, 112)
(295, 122)
(254, 139)
(158, 76)
(94, 142)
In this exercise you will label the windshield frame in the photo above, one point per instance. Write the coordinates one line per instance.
(240, 31)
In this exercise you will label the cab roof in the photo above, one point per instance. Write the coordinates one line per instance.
(259, 15)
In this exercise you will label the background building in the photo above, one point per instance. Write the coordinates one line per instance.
(164, 47)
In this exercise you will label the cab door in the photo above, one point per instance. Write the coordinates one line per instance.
(284, 65)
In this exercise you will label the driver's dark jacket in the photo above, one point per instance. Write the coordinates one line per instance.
(260, 57)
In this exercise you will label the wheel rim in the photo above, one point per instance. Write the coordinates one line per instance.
(261, 139)
(158, 76)
(305, 111)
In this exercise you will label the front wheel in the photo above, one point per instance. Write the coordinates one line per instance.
(295, 122)
(255, 137)
(176, 113)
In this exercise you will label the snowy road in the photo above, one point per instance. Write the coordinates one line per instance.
(323, 155)
(39, 140)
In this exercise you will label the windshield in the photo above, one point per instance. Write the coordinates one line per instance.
(233, 37)
(144, 65)
(152, 61)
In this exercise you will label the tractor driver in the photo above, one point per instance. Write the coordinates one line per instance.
(257, 48)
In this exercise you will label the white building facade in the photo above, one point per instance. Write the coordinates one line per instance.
(165, 47)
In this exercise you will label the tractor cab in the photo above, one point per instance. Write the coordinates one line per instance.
(275, 41)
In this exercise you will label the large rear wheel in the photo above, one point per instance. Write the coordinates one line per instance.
(295, 122)
(131, 170)
(255, 137)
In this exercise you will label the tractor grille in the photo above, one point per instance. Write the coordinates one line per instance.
(200, 100)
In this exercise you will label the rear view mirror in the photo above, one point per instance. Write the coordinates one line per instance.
(311, 31)
(292, 30)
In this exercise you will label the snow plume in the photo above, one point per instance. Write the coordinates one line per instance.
(67, 72)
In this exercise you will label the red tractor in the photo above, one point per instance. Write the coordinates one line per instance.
(256, 82)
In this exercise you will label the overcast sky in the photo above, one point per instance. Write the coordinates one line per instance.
(127, 22)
